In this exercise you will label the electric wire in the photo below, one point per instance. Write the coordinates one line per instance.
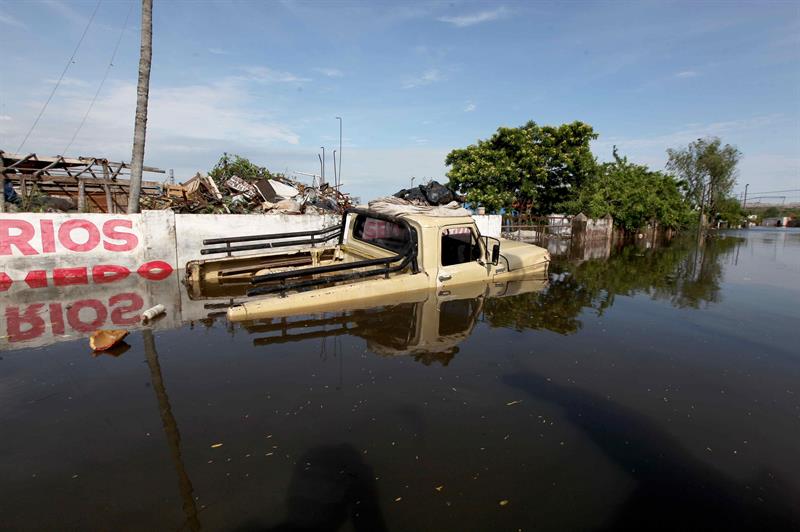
(102, 82)
(63, 73)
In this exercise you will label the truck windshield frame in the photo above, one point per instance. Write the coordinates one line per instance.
(381, 233)
(459, 245)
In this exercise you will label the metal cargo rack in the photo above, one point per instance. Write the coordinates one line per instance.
(280, 282)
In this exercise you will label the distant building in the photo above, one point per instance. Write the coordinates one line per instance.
(780, 221)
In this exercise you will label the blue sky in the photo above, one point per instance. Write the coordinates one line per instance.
(411, 80)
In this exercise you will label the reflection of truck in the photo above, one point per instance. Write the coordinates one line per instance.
(427, 325)
(376, 255)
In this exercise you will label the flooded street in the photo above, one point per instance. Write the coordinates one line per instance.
(653, 389)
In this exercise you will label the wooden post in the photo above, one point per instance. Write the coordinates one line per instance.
(2, 189)
(578, 239)
(23, 193)
(107, 189)
(81, 195)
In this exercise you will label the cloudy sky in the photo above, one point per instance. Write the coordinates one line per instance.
(411, 80)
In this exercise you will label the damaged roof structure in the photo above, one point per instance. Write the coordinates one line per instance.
(94, 184)
(86, 184)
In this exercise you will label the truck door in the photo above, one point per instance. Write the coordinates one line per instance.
(461, 257)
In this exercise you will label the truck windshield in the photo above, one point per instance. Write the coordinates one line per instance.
(381, 233)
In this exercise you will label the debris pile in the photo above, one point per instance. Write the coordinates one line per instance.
(275, 195)
(432, 193)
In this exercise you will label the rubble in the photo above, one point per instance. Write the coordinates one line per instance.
(277, 195)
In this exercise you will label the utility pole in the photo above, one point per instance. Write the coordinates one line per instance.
(142, 94)
(323, 164)
(339, 118)
(744, 203)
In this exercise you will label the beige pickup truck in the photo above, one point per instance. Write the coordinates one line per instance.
(370, 257)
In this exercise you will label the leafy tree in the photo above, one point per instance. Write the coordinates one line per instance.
(708, 170)
(730, 210)
(236, 165)
(535, 168)
(633, 195)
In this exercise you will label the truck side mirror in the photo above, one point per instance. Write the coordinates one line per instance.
(495, 254)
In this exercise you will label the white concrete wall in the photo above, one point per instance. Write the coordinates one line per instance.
(63, 249)
(192, 229)
(488, 224)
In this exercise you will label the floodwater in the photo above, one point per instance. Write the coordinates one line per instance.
(652, 389)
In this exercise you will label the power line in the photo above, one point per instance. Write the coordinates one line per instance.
(776, 191)
(102, 82)
(63, 73)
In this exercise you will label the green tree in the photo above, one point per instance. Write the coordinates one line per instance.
(730, 210)
(537, 168)
(633, 195)
(235, 165)
(708, 171)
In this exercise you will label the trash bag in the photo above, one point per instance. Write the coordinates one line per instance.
(434, 193)
(437, 193)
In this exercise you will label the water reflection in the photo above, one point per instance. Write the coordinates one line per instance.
(171, 431)
(428, 325)
(429, 328)
(686, 273)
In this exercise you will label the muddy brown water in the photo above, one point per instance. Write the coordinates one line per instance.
(653, 389)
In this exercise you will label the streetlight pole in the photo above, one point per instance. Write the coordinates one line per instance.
(335, 175)
(339, 118)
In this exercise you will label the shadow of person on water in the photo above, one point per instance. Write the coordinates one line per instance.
(674, 490)
(330, 486)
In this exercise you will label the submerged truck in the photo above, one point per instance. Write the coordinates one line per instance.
(369, 257)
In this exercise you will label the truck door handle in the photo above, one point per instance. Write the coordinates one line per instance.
(445, 277)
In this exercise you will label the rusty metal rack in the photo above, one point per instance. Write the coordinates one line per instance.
(405, 257)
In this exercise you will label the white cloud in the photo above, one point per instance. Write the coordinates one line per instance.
(268, 75)
(8, 20)
(429, 76)
(686, 74)
(67, 81)
(330, 72)
(470, 107)
(5, 118)
(463, 21)
(188, 127)
(65, 11)
(217, 51)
